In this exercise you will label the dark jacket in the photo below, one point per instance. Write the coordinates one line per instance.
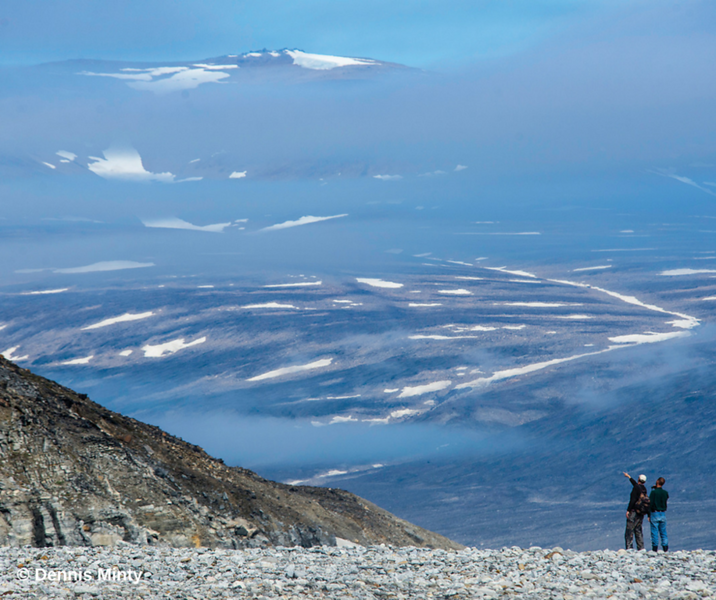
(636, 492)
(658, 498)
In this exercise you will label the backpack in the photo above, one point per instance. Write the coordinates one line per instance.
(643, 505)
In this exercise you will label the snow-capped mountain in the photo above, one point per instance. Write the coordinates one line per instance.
(256, 66)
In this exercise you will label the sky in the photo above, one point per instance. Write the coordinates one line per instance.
(420, 33)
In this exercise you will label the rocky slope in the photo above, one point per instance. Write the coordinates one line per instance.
(75, 473)
(365, 573)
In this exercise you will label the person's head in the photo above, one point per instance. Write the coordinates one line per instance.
(642, 478)
(661, 481)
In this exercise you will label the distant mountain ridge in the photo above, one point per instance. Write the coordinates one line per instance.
(232, 89)
(264, 66)
(74, 473)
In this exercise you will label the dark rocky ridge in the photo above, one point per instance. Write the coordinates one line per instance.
(75, 473)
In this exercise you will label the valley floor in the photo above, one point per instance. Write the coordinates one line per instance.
(353, 572)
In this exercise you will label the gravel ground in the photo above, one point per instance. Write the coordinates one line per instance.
(356, 572)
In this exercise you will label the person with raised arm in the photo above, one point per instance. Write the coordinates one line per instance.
(637, 508)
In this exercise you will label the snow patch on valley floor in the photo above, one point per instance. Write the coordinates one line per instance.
(10, 354)
(159, 350)
(403, 412)
(379, 283)
(684, 319)
(120, 319)
(540, 304)
(443, 337)
(176, 223)
(459, 292)
(459, 262)
(474, 328)
(648, 337)
(302, 221)
(42, 292)
(290, 285)
(324, 362)
(677, 272)
(597, 268)
(270, 305)
(419, 390)
(79, 361)
(512, 272)
(509, 373)
(622, 341)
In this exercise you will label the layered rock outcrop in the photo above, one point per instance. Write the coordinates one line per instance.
(75, 473)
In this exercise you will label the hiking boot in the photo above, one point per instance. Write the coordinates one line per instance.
(655, 548)
(666, 548)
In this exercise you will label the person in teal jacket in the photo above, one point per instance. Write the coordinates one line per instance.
(657, 517)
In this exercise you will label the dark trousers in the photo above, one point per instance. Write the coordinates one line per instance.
(633, 530)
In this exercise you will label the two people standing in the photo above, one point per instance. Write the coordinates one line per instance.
(653, 505)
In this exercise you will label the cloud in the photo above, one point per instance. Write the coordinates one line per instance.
(237, 175)
(302, 221)
(125, 164)
(388, 177)
(176, 223)
(460, 168)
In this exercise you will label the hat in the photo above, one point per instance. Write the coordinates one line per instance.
(642, 478)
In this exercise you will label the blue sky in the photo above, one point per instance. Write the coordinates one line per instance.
(423, 33)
